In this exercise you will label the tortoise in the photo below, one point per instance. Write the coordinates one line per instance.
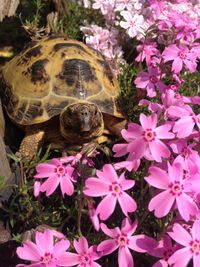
(61, 91)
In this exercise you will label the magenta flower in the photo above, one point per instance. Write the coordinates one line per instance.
(175, 192)
(111, 186)
(187, 117)
(146, 138)
(146, 51)
(57, 172)
(45, 252)
(150, 81)
(180, 56)
(124, 240)
(163, 250)
(191, 245)
(85, 257)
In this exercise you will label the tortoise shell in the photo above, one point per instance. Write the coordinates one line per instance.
(54, 73)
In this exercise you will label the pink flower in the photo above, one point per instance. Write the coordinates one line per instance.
(133, 23)
(145, 139)
(163, 250)
(45, 252)
(146, 51)
(57, 172)
(180, 56)
(111, 186)
(126, 4)
(191, 245)
(175, 190)
(85, 257)
(124, 240)
(150, 81)
(187, 117)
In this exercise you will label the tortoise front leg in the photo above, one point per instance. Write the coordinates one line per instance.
(31, 144)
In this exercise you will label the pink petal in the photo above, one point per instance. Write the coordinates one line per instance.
(179, 112)
(106, 207)
(66, 186)
(142, 80)
(125, 258)
(29, 251)
(134, 131)
(181, 257)
(158, 178)
(50, 185)
(142, 243)
(127, 203)
(127, 227)
(148, 122)
(195, 230)
(60, 248)
(96, 187)
(180, 235)
(162, 132)
(69, 259)
(45, 241)
(120, 150)
(186, 206)
(161, 203)
(158, 150)
(108, 174)
(81, 245)
(113, 233)
(181, 129)
(196, 260)
(175, 172)
(177, 65)
(137, 148)
(107, 246)
(170, 53)
(45, 170)
(191, 65)
(126, 184)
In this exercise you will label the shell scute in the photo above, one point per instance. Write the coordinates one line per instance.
(53, 73)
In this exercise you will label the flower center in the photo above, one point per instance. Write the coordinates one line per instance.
(60, 170)
(122, 240)
(46, 259)
(182, 55)
(167, 253)
(153, 79)
(149, 135)
(195, 246)
(85, 260)
(176, 188)
(115, 188)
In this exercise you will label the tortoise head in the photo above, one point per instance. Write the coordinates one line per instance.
(81, 120)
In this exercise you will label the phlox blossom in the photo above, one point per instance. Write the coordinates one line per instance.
(163, 250)
(111, 186)
(180, 56)
(190, 242)
(57, 173)
(146, 51)
(150, 81)
(186, 117)
(145, 139)
(134, 23)
(124, 240)
(175, 191)
(45, 252)
(85, 256)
